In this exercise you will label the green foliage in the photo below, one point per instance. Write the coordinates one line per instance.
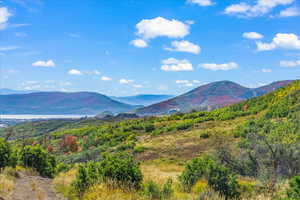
(5, 154)
(195, 170)
(37, 158)
(154, 192)
(294, 188)
(223, 181)
(120, 169)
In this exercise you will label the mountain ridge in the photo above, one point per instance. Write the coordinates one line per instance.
(210, 96)
(61, 103)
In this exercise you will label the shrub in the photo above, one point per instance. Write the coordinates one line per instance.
(119, 169)
(223, 181)
(194, 171)
(149, 128)
(122, 169)
(5, 154)
(294, 190)
(38, 159)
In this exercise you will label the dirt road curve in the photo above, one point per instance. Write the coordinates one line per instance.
(34, 188)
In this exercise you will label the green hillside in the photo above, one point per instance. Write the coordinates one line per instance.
(257, 140)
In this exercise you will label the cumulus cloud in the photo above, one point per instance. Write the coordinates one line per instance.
(252, 35)
(201, 2)
(290, 12)
(140, 43)
(184, 46)
(126, 81)
(266, 70)
(74, 72)
(172, 64)
(260, 8)
(41, 63)
(290, 63)
(105, 78)
(4, 17)
(217, 67)
(281, 40)
(161, 27)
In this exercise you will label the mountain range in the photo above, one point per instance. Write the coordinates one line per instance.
(209, 97)
(84, 103)
(143, 99)
(206, 97)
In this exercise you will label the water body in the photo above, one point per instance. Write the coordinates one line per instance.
(31, 117)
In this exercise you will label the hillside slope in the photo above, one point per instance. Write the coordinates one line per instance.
(208, 97)
(84, 103)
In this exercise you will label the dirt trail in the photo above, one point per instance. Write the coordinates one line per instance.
(34, 188)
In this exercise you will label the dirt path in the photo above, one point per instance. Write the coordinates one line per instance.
(34, 188)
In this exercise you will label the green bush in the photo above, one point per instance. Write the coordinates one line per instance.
(294, 188)
(6, 154)
(223, 181)
(37, 158)
(122, 169)
(119, 169)
(194, 171)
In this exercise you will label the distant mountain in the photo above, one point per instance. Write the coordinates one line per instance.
(144, 99)
(208, 97)
(84, 103)
(5, 91)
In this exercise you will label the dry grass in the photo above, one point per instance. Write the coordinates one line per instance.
(63, 184)
(6, 185)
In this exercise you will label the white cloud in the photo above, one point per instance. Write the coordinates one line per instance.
(290, 12)
(217, 67)
(105, 78)
(126, 81)
(140, 43)
(196, 81)
(184, 46)
(74, 72)
(260, 8)
(9, 48)
(281, 40)
(161, 27)
(265, 70)
(290, 63)
(20, 34)
(253, 35)
(182, 81)
(201, 2)
(172, 64)
(41, 63)
(92, 72)
(4, 16)
(137, 86)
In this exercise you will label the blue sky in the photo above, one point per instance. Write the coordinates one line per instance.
(146, 47)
